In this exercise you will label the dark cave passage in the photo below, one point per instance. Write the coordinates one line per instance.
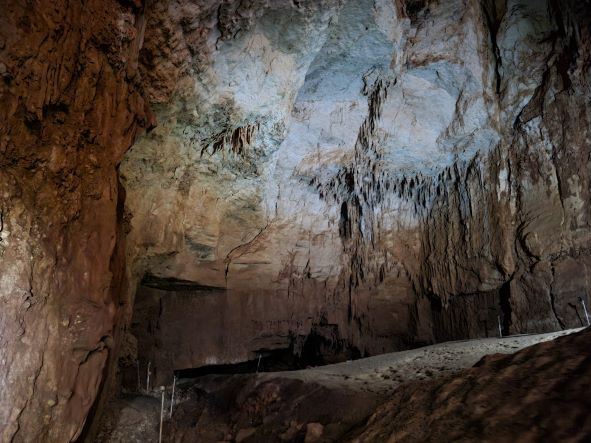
(316, 351)
(187, 329)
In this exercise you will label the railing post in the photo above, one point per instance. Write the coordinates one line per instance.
(172, 396)
(161, 413)
(585, 310)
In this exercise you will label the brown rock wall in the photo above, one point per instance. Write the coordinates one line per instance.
(71, 107)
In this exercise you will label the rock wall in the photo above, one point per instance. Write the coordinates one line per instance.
(71, 106)
(529, 230)
(407, 172)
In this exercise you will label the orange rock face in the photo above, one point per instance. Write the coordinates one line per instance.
(71, 106)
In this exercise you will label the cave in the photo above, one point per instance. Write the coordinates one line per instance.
(298, 221)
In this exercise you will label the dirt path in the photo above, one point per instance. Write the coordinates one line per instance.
(383, 373)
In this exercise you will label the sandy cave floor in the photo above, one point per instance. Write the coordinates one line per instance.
(385, 372)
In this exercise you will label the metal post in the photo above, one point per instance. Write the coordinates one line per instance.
(585, 309)
(172, 396)
(500, 328)
(139, 385)
(148, 377)
(161, 413)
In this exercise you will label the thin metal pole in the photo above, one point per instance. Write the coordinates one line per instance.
(161, 413)
(148, 377)
(500, 329)
(139, 385)
(585, 309)
(172, 396)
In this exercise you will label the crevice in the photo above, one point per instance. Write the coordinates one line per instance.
(175, 284)
(553, 301)
(505, 305)
(493, 22)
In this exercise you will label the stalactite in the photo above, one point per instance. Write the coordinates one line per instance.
(236, 141)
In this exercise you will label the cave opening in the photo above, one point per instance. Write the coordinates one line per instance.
(186, 329)
(316, 351)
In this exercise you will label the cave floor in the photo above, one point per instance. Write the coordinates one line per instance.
(290, 404)
(385, 372)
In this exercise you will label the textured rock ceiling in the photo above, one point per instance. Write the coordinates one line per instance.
(291, 84)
